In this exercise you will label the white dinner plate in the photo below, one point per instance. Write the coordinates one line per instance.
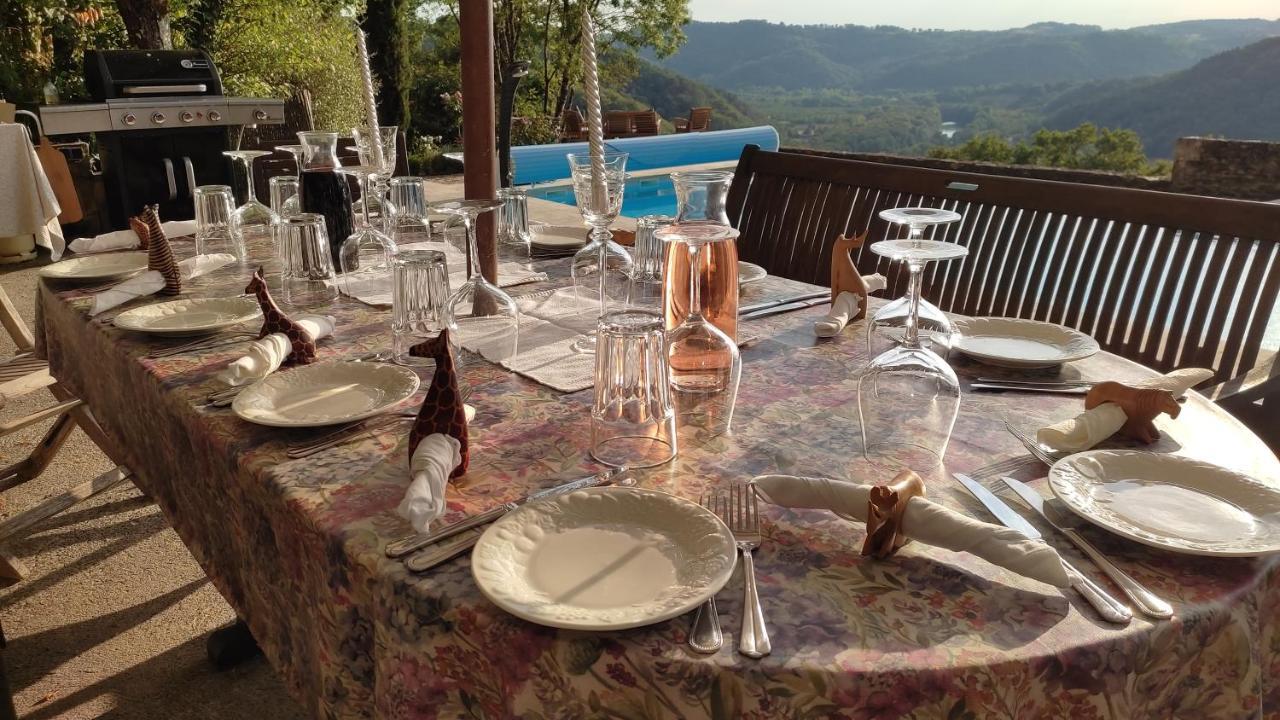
(1171, 502)
(604, 559)
(325, 394)
(557, 237)
(111, 266)
(750, 272)
(189, 317)
(1018, 343)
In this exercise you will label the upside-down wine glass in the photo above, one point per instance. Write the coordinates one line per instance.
(384, 166)
(895, 314)
(480, 315)
(367, 251)
(252, 218)
(602, 266)
(908, 396)
(292, 206)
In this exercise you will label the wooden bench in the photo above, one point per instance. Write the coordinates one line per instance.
(699, 120)
(1163, 279)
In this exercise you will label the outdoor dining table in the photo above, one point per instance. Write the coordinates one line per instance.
(297, 548)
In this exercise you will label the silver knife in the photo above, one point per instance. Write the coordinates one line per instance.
(1147, 601)
(784, 308)
(1035, 383)
(411, 543)
(1108, 607)
(746, 309)
(1061, 389)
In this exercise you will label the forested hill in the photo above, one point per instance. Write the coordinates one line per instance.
(757, 54)
(1235, 94)
(672, 95)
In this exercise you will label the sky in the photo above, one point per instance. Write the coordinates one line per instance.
(980, 14)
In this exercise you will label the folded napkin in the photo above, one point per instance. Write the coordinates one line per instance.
(442, 408)
(1093, 426)
(302, 340)
(151, 281)
(846, 306)
(128, 239)
(266, 355)
(924, 521)
(430, 466)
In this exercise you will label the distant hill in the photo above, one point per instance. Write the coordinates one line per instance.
(672, 94)
(1234, 94)
(757, 54)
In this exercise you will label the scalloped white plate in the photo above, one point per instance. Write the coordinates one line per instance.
(750, 272)
(194, 316)
(1171, 502)
(111, 266)
(1018, 343)
(604, 559)
(325, 394)
(557, 237)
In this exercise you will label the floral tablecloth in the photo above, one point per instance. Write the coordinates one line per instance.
(296, 546)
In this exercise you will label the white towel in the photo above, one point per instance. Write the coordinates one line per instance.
(1093, 426)
(151, 281)
(27, 203)
(127, 239)
(266, 355)
(845, 306)
(926, 522)
(435, 457)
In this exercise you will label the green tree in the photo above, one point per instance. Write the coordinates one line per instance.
(44, 40)
(390, 41)
(1085, 147)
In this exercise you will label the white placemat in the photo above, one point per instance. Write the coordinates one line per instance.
(549, 323)
(375, 289)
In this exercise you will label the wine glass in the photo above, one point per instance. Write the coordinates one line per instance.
(895, 314)
(479, 314)
(292, 205)
(252, 219)
(379, 151)
(601, 263)
(367, 251)
(705, 363)
(908, 396)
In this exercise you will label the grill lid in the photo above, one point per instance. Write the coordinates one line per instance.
(110, 74)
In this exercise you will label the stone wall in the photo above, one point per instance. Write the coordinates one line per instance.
(1247, 169)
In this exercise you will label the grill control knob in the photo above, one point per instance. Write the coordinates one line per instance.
(186, 116)
(214, 116)
(259, 115)
(129, 119)
(158, 118)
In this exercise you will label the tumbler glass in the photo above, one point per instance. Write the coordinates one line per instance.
(513, 217)
(409, 224)
(283, 187)
(633, 420)
(648, 251)
(420, 289)
(308, 280)
(215, 222)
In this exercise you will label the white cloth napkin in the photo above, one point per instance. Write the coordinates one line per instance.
(127, 239)
(926, 522)
(27, 203)
(266, 355)
(1093, 426)
(151, 281)
(435, 457)
(845, 306)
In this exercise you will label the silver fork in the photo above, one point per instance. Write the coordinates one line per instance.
(704, 634)
(201, 344)
(1045, 456)
(744, 521)
(343, 436)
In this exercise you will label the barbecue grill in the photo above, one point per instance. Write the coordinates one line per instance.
(160, 119)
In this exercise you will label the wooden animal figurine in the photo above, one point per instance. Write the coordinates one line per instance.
(1140, 405)
(442, 409)
(142, 230)
(886, 505)
(844, 274)
(159, 254)
(275, 321)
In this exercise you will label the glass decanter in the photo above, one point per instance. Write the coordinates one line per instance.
(325, 192)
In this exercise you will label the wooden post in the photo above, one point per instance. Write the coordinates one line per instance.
(478, 123)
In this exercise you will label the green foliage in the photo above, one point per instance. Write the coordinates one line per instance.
(390, 41)
(672, 95)
(1085, 147)
(43, 40)
(426, 158)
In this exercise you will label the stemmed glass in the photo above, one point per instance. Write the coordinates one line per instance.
(601, 262)
(896, 313)
(367, 250)
(292, 205)
(252, 219)
(479, 314)
(384, 166)
(908, 396)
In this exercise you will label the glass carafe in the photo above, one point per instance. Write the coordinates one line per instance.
(702, 196)
(323, 190)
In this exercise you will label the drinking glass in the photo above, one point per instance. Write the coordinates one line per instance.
(284, 195)
(409, 198)
(633, 421)
(895, 314)
(291, 206)
(253, 219)
(602, 267)
(368, 250)
(705, 364)
(378, 150)
(308, 280)
(479, 314)
(908, 396)
(513, 219)
(215, 222)
(420, 291)
(648, 253)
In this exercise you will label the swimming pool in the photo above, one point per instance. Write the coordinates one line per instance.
(648, 195)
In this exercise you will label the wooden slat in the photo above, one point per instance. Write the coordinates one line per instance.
(13, 425)
(18, 524)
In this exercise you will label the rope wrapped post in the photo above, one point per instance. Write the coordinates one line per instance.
(595, 118)
(370, 100)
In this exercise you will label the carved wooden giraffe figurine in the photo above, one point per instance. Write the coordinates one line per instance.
(275, 321)
(159, 254)
(442, 409)
(844, 274)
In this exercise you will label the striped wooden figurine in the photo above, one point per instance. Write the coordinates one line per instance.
(159, 254)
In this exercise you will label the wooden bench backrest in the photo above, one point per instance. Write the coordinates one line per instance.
(617, 122)
(1163, 279)
(644, 122)
(699, 118)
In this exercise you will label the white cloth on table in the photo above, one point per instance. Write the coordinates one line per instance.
(267, 354)
(27, 203)
(926, 522)
(151, 281)
(845, 306)
(1093, 426)
(127, 239)
(435, 457)
(376, 289)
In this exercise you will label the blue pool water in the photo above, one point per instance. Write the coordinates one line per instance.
(651, 195)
